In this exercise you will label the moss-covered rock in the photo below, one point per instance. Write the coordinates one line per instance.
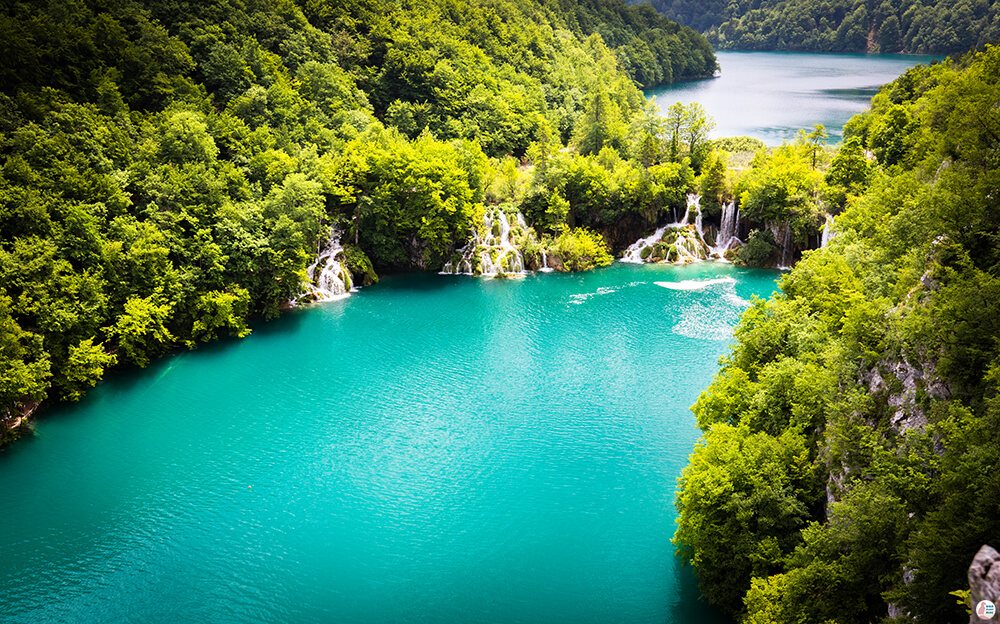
(645, 253)
(359, 265)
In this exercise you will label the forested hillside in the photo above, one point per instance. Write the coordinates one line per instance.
(848, 470)
(170, 169)
(910, 26)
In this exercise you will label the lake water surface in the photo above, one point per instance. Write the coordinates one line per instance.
(772, 95)
(431, 449)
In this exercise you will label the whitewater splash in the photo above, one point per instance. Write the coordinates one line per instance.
(493, 250)
(696, 284)
(713, 320)
(329, 279)
(545, 268)
(581, 298)
(680, 242)
(728, 229)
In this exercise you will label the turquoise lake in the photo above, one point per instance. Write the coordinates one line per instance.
(772, 95)
(430, 449)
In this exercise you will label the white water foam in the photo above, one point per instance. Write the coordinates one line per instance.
(689, 242)
(330, 280)
(509, 260)
(712, 320)
(696, 284)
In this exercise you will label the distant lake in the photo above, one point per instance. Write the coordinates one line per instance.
(771, 95)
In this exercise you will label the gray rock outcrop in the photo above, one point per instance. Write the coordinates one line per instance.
(984, 579)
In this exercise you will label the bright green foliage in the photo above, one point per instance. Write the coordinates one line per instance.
(713, 184)
(602, 124)
(759, 249)
(218, 310)
(419, 196)
(24, 365)
(742, 502)
(168, 171)
(581, 250)
(848, 174)
(781, 185)
(140, 330)
(84, 368)
(186, 140)
(879, 356)
(605, 192)
(815, 139)
(738, 144)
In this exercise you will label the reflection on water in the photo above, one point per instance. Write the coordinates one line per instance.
(772, 95)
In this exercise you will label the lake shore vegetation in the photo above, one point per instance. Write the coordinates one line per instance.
(848, 467)
(170, 170)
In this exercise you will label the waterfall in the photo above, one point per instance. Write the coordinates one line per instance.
(328, 278)
(694, 201)
(685, 239)
(786, 247)
(728, 230)
(828, 231)
(492, 250)
(545, 263)
(634, 252)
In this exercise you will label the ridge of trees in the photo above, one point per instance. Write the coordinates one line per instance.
(902, 26)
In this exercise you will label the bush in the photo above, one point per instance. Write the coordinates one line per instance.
(582, 249)
(738, 144)
(759, 250)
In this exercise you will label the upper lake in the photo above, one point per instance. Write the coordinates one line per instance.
(430, 449)
(772, 95)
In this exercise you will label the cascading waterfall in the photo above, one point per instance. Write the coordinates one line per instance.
(329, 279)
(694, 201)
(492, 250)
(786, 247)
(545, 264)
(828, 231)
(680, 242)
(727, 231)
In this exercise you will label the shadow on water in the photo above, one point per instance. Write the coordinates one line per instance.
(691, 607)
(127, 377)
(863, 94)
(422, 281)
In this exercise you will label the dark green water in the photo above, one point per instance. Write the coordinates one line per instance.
(431, 449)
(772, 95)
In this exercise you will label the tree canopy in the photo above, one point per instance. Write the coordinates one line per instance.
(846, 473)
(908, 26)
(168, 170)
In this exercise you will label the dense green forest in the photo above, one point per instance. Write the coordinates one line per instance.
(169, 170)
(910, 26)
(848, 467)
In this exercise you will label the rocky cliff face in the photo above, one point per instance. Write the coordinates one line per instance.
(984, 579)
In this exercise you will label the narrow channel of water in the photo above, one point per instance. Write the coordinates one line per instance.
(431, 449)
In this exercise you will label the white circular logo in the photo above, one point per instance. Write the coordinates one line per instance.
(986, 610)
